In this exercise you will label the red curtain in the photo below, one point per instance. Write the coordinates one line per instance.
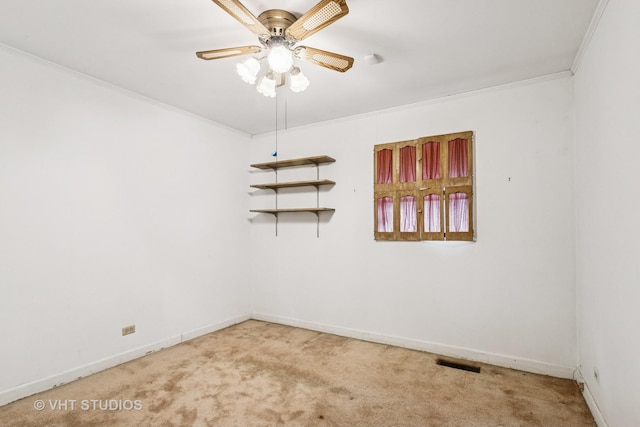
(385, 214)
(459, 212)
(385, 166)
(458, 158)
(432, 213)
(431, 160)
(408, 164)
(408, 221)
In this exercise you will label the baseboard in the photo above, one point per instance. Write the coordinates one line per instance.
(526, 365)
(189, 335)
(28, 389)
(521, 364)
(591, 402)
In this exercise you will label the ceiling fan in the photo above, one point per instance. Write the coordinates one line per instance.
(278, 32)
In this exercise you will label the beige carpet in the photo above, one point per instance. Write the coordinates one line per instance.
(263, 374)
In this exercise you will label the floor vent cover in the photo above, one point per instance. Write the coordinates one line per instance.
(458, 365)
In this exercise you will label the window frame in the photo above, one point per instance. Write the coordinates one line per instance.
(443, 186)
(385, 235)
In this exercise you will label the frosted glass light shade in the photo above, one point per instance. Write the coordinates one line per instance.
(299, 81)
(267, 86)
(248, 70)
(280, 59)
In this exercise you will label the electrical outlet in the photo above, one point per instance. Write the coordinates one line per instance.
(128, 330)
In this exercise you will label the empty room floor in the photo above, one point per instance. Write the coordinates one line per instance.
(263, 374)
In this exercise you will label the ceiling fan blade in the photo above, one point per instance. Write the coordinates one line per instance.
(246, 18)
(325, 59)
(324, 13)
(226, 53)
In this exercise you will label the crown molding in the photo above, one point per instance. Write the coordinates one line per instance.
(586, 40)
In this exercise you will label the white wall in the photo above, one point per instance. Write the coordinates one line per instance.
(607, 93)
(508, 298)
(114, 210)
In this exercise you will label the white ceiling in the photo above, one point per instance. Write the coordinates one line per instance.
(431, 48)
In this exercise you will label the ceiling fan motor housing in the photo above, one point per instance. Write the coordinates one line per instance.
(276, 21)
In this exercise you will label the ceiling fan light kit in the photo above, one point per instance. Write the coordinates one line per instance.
(248, 70)
(299, 82)
(280, 58)
(278, 32)
(267, 85)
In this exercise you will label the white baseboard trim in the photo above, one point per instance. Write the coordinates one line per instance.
(526, 365)
(31, 388)
(521, 364)
(189, 335)
(591, 402)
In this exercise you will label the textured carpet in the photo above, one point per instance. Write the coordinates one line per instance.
(263, 374)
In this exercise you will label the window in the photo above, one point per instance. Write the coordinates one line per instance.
(423, 189)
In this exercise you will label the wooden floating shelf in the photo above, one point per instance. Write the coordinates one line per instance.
(276, 185)
(279, 211)
(304, 161)
(316, 160)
